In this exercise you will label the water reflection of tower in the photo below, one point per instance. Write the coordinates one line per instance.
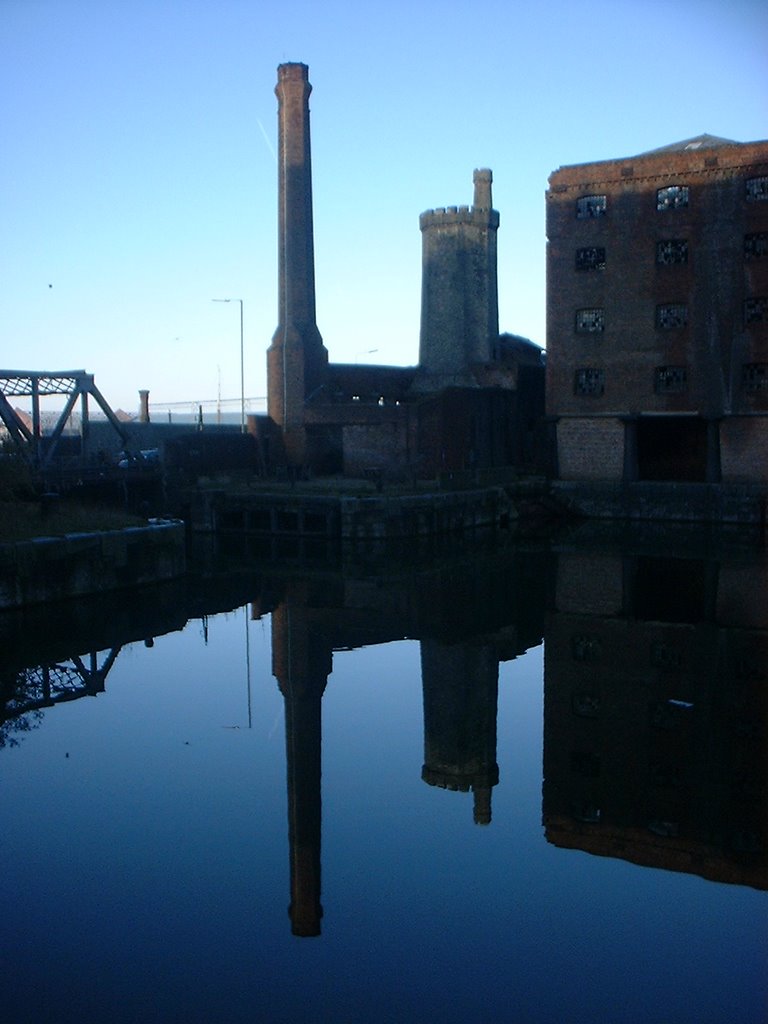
(460, 704)
(301, 663)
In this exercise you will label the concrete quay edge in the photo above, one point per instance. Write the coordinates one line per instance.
(45, 569)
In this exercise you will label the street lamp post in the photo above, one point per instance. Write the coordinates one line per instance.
(242, 363)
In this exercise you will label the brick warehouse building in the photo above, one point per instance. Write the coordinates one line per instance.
(657, 315)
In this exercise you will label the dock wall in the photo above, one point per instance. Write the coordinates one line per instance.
(347, 517)
(78, 564)
(675, 502)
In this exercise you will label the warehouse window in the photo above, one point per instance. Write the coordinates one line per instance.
(755, 310)
(669, 380)
(591, 206)
(673, 251)
(589, 381)
(757, 188)
(756, 246)
(590, 321)
(592, 258)
(673, 197)
(671, 317)
(754, 376)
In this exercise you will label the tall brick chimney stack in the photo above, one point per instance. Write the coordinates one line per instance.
(297, 358)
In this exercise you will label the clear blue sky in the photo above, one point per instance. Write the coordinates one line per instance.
(138, 175)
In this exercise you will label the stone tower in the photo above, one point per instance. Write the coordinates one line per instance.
(459, 292)
(297, 358)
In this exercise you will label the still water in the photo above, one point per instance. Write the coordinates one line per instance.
(522, 783)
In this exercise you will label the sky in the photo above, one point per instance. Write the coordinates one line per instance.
(138, 178)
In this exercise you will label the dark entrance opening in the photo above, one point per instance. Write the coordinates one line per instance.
(325, 447)
(672, 589)
(672, 448)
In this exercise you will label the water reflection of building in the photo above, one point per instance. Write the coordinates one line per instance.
(655, 688)
(655, 713)
(469, 612)
(467, 615)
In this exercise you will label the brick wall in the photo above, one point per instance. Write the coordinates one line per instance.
(610, 265)
(744, 449)
(590, 449)
(381, 446)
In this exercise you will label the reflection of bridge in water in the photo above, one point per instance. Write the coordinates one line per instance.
(28, 692)
(55, 654)
(47, 685)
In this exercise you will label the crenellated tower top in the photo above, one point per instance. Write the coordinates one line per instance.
(481, 213)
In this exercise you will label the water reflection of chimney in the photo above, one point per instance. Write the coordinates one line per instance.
(301, 663)
(460, 684)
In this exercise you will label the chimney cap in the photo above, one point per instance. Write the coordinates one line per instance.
(291, 70)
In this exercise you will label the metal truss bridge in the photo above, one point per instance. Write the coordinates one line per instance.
(27, 436)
